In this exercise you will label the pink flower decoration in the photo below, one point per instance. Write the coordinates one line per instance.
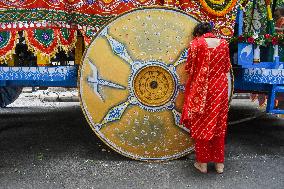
(267, 36)
(250, 40)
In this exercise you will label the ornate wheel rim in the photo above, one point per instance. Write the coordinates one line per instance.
(135, 106)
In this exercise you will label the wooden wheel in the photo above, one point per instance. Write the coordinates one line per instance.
(132, 83)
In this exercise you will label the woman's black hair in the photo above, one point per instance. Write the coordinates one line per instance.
(201, 29)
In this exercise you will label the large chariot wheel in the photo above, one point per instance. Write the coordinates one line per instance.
(132, 83)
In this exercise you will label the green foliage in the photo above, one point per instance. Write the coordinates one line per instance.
(280, 3)
(255, 20)
(262, 40)
(255, 16)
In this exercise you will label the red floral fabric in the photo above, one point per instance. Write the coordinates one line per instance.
(206, 95)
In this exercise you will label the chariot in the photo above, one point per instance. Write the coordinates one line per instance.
(127, 58)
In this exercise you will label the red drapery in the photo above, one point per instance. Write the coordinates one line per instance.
(206, 95)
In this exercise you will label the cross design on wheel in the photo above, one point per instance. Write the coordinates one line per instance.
(95, 81)
(153, 85)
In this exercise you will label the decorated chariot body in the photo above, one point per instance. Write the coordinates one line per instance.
(131, 76)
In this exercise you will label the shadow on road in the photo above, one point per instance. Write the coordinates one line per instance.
(64, 130)
(52, 133)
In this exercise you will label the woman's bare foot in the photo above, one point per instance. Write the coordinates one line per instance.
(219, 167)
(202, 167)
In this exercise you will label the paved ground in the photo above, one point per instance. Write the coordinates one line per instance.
(52, 146)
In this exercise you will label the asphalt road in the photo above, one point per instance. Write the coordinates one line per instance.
(52, 146)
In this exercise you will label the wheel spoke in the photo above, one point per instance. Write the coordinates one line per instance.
(113, 114)
(177, 117)
(182, 58)
(95, 81)
(117, 47)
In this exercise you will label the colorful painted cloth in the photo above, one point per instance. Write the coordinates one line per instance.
(50, 25)
(206, 95)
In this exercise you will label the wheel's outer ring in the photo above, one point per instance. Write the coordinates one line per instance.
(87, 114)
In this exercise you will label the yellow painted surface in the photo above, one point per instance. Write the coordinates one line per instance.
(148, 35)
(156, 37)
(107, 1)
(157, 137)
(11, 61)
(42, 60)
(79, 50)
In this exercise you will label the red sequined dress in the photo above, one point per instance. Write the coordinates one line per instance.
(206, 95)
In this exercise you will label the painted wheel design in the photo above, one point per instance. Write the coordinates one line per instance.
(154, 86)
(132, 83)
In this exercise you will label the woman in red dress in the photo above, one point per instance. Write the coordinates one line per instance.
(205, 109)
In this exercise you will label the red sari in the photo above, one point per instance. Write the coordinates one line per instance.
(205, 109)
(206, 95)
